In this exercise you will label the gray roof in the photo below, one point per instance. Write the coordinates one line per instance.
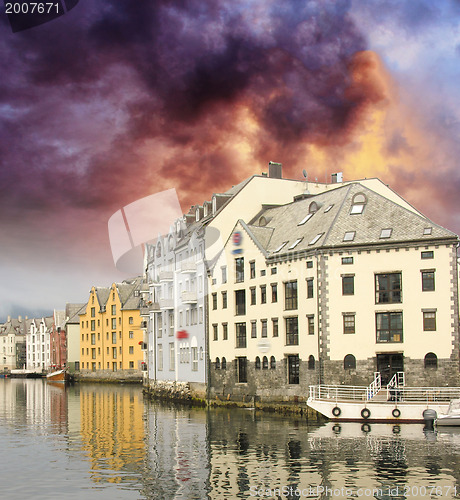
(72, 311)
(286, 223)
(59, 318)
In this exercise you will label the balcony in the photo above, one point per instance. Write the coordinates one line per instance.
(148, 308)
(165, 276)
(188, 297)
(166, 304)
(188, 267)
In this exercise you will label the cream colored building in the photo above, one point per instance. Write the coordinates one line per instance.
(330, 286)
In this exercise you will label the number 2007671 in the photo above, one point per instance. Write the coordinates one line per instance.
(31, 8)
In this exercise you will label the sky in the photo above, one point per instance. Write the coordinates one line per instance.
(117, 100)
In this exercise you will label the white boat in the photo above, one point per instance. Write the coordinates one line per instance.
(392, 403)
(452, 417)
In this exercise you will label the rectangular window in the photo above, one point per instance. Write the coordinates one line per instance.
(275, 327)
(239, 269)
(389, 327)
(131, 365)
(290, 295)
(114, 310)
(240, 302)
(224, 274)
(273, 270)
(114, 366)
(292, 331)
(224, 300)
(348, 323)
(252, 269)
(172, 357)
(114, 323)
(253, 329)
(310, 283)
(348, 285)
(93, 353)
(194, 359)
(427, 255)
(160, 357)
(263, 294)
(309, 264)
(240, 334)
(214, 301)
(131, 320)
(293, 369)
(131, 335)
(160, 325)
(93, 339)
(429, 321)
(274, 292)
(114, 337)
(252, 291)
(215, 332)
(428, 281)
(388, 288)
(93, 312)
(311, 324)
(347, 260)
(264, 328)
(114, 352)
(242, 376)
(93, 325)
(131, 349)
(171, 324)
(225, 331)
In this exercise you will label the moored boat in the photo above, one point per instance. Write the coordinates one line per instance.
(452, 417)
(392, 403)
(58, 376)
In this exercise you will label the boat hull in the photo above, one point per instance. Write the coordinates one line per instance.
(448, 420)
(59, 376)
(378, 411)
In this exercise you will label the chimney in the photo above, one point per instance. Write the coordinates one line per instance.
(9, 319)
(275, 170)
(338, 177)
(19, 318)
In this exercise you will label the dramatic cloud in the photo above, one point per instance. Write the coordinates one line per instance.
(117, 100)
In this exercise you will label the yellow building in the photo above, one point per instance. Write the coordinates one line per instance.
(111, 337)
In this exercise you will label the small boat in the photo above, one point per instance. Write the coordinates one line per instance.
(58, 376)
(24, 373)
(395, 402)
(452, 417)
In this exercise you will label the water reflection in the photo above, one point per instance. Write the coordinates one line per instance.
(107, 441)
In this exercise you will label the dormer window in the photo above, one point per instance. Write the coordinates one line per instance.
(205, 210)
(316, 238)
(197, 214)
(262, 221)
(358, 203)
(386, 233)
(349, 236)
(214, 205)
(427, 231)
(296, 242)
(307, 217)
(313, 207)
(280, 247)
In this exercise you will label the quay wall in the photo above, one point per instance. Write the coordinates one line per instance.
(121, 376)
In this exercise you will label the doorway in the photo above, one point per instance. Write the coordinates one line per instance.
(388, 364)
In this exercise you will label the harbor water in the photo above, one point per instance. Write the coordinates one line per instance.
(109, 442)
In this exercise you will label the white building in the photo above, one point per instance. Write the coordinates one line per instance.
(38, 343)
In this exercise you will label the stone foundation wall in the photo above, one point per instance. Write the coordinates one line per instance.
(269, 385)
(127, 376)
(416, 375)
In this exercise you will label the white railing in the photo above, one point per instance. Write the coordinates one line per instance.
(406, 394)
(374, 387)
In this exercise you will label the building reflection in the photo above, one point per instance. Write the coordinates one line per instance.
(112, 431)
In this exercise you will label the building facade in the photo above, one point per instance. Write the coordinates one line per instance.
(38, 343)
(72, 328)
(331, 288)
(13, 344)
(111, 337)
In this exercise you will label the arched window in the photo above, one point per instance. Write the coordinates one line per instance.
(265, 363)
(257, 363)
(159, 249)
(349, 362)
(224, 364)
(311, 362)
(217, 364)
(358, 203)
(272, 363)
(313, 207)
(431, 360)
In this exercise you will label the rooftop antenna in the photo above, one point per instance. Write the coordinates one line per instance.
(304, 172)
